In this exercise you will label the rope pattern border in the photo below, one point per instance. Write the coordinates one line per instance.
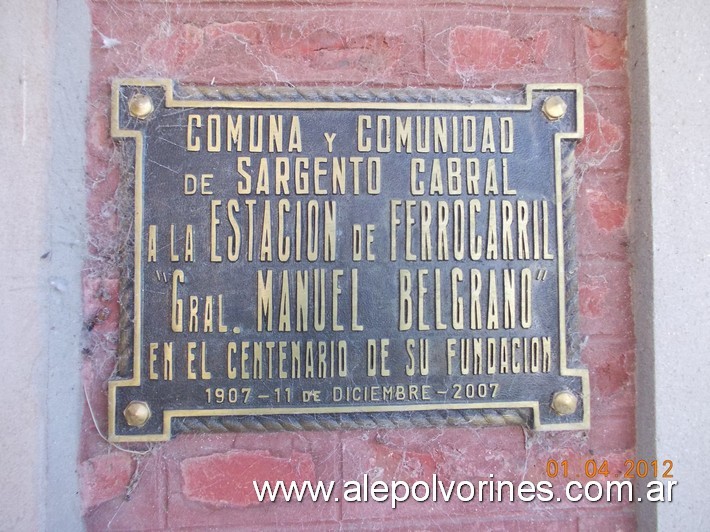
(385, 420)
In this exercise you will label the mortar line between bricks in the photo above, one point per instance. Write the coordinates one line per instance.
(608, 337)
(604, 85)
(586, 258)
(562, 9)
(595, 257)
(618, 262)
(625, 511)
(341, 475)
(603, 90)
(268, 526)
(166, 494)
(601, 171)
(466, 519)
(425, 55)
(613, 168)
(578, 66)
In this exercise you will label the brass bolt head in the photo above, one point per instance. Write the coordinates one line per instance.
(140, 106)
(564, 403)
(137, 413)
(554, 108)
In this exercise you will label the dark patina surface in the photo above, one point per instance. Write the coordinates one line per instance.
(405, 344)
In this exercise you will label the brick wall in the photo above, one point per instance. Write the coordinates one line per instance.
(200, 480)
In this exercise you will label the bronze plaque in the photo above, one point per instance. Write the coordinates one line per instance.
(347, 258)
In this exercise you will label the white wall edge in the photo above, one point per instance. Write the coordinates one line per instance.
(669, 65)
(67, 215)
(44, 76)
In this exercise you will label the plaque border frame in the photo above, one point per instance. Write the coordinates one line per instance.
(207, 102)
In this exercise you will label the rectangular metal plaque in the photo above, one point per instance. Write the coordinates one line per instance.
(339, 258)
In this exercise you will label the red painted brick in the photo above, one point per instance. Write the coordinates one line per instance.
(389, 451)
(368, 44)
(526, 523)
(599, 7)
(613, 183)
(613, 428)
(226, 479)
(101, 308)
(98, 135)
(104, 477)
(328, 49)
(606, 51)
(605, 145)
(559, 522)
(602, 215)
(143, 505)
(280, 444)
(605, 298)
(453, 454)
(245, 32)
(601, 50)
(607, 214)
(611, 364)
(482, 48)
(98, 365)
(174, 47)
(532, 521)
(601, 136)
(219, 44)
(305, 455)
(535, 47)
(596, 521)
(402, 464)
